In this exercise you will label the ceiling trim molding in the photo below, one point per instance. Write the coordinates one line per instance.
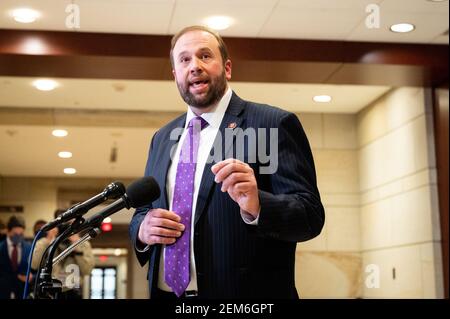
(145, 57)
(85, 118)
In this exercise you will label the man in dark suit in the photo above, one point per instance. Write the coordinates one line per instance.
(2, 231)
(14, 252)
(227, 222)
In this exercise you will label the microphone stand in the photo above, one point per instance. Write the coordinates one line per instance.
(92, 233)
(48, 287)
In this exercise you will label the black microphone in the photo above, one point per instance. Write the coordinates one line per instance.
(139, 193)
(112, 191)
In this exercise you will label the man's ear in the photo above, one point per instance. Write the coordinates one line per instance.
(174, 74)
(227, 67)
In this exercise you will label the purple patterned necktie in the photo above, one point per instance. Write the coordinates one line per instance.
(177, 256)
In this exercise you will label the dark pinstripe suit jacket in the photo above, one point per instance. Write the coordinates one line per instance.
(233, 259)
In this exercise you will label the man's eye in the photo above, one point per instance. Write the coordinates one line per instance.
(206, 56)
(184, 60)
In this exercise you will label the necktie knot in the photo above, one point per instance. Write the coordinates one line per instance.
(198, 122)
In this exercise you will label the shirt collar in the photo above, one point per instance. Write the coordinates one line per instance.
(214, 118)
(11, 244)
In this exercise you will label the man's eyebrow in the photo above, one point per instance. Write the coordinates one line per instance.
(181, 53)
(199, 50)
(205, 49)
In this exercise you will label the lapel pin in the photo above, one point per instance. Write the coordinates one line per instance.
(232, 125)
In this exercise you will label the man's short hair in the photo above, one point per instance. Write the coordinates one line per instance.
(222, 47)
(58, 212)
(38, 225)
(15, 221)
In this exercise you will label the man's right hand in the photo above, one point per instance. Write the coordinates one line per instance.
(160, 226)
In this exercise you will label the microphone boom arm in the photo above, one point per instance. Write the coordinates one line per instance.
(88, 236)
(96, 220)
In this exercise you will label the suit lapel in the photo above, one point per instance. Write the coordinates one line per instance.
(232, 115)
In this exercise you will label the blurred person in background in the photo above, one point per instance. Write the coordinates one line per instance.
(14, 252)
(37, 226)
(3, 231)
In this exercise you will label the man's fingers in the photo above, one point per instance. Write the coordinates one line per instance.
(241, 187)
(230, 168)
(217, 167)
(160, 226)
(162, 213)
(234, 178)
(167, 223)
(165, 218)
(160, 235)
(161, 231)
(161, 240)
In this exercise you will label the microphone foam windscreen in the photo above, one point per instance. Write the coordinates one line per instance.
(143, 191)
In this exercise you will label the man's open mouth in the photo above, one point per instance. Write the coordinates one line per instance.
(197, 84)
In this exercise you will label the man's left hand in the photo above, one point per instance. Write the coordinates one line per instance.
(238, 179)
(74, 238)
(23, 278)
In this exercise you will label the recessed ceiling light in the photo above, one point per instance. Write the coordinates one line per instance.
(402, 27)
(65, 154)
(59, 133)
(25, 15)
(107, 220)
(45, 84)
(70, 171)
(322, 98)
(219, 22)
(117, 252)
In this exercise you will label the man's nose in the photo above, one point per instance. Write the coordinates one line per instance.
(196, 66)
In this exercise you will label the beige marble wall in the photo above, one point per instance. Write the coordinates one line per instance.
(329, 266)
(400, 230)
(37, 195)
(328, 274)
(377, 179)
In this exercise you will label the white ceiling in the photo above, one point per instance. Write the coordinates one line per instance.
(33, 151)
(134, 95)
(298, 19)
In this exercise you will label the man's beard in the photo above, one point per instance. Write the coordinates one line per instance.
(216, 89)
